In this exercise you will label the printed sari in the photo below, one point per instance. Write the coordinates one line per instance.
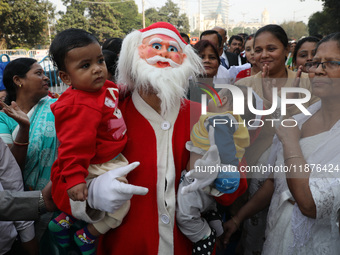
(42, 148)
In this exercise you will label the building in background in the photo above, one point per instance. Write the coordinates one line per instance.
(255, 24)
(210, 13)
(216, 10)
(265, 17)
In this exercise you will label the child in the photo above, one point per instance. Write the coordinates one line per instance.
(196, 212)
(90, 129)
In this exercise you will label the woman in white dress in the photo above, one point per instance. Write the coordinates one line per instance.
(305, 200)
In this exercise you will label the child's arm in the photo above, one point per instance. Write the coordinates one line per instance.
(78, 192)
(76, 127)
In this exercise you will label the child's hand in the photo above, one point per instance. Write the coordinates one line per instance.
(78, 192)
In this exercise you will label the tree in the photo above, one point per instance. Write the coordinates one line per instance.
(151, 16)
(239, 30)
(74, 16)
(24, 23)
(104, 21)
(294, 29)
(130, 18)
(100, 19)
(169, 13)
(4, 8)
(327, 21)
(196, 33)
(332, 9)
(318, 23)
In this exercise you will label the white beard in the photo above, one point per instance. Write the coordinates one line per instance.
(170, 84)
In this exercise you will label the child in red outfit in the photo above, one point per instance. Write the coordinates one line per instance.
(91, 132)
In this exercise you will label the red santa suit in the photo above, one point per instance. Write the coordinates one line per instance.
(158, 143)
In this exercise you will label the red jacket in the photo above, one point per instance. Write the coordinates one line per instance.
(89, 132)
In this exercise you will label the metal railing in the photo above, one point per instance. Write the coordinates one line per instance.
(56, 84)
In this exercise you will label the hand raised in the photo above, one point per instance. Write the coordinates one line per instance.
(288, 135)
(267, 84)
(15, 113)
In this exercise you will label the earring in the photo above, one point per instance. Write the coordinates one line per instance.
(20, 85)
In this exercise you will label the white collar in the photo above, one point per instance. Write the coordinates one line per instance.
(150, 114)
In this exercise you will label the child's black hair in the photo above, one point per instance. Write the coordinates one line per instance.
(67, 40)
(111, 59)
(113, 44)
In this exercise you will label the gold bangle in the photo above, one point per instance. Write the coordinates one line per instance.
(293, 156)
(20, 144)
(233, 219)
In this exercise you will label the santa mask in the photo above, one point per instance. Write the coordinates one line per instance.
(157, 60)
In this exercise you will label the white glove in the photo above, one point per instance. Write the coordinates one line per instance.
(107, 194)
(205, 171)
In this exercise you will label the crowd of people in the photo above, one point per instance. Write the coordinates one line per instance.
(134, 159)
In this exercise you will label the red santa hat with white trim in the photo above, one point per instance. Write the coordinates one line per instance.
(163, 28)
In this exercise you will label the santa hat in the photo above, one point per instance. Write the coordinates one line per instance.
(163, 28)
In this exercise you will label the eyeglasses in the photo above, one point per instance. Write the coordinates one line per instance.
(327, 65)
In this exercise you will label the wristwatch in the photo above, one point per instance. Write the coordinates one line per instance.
(41, 205)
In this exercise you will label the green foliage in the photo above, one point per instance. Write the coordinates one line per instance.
(4, 7)
(74, 16)
(130, 18)
(104, 22)
(196, 33)
(24, 23)
(168, 13)
(317, 23)
(295, 30)
(99, 19)
(238, 30)
(327, 21)
(151, 16)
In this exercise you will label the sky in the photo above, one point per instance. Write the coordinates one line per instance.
(247, 10)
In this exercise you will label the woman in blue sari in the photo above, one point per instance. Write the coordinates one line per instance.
(27, 125)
